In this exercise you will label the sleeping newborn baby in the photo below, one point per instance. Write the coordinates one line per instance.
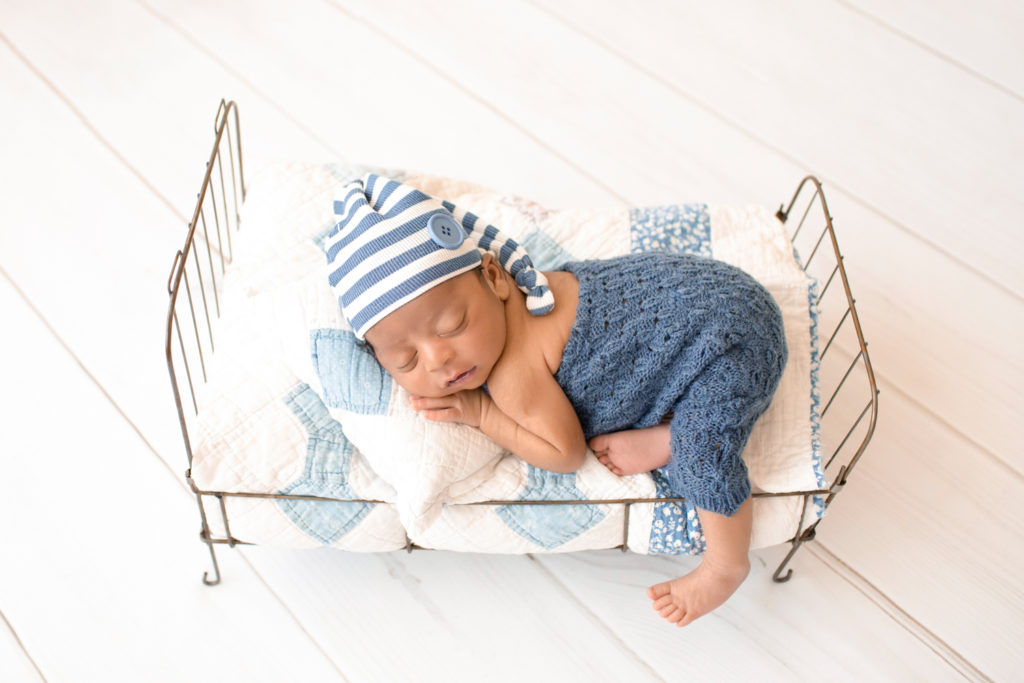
(653, 360)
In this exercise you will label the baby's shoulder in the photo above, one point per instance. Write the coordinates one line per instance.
(534, 344)
(520, 377)
(555, 328)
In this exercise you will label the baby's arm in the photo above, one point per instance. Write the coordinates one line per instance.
(528, 415)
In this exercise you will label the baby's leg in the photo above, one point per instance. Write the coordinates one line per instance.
(723, 569)
(633, 451)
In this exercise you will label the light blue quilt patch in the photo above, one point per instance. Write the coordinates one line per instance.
(676, 528)
(544, 251)
(328, 461)
(549, 526)
(351, 377)
(321, 236)
(673, 229)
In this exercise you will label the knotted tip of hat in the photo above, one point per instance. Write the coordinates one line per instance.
(393, 243)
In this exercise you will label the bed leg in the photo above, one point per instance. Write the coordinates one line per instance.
(204, 536)
(807, 535)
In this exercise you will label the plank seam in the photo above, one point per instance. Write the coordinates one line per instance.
(897, 613)
(707, 108)
(295, 618)
(95, 380)
(891, 386)
(594, 617)
(917, 42)
(17, 639)
(246, 82)
(88, 124)
(484, 103)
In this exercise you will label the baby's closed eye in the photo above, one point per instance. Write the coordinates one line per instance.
(407, 365)
(452, 329)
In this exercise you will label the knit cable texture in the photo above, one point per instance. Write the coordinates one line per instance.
(682, 338)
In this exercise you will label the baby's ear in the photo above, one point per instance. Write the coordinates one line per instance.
(495, 276)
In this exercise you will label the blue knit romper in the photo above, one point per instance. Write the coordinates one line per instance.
(681, 338)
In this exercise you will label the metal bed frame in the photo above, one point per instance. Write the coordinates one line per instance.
(207, 251)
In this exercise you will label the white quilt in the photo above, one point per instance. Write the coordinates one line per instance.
(296, 406)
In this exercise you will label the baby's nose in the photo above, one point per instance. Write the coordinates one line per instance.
(438, 356)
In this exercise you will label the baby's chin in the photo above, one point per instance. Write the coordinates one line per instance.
(438, 392)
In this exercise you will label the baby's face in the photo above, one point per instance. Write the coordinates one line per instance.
(446, 340)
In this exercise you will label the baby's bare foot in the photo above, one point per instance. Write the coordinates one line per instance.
(682, 600)
(633, 451)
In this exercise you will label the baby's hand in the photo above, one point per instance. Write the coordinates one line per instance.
(465, 407)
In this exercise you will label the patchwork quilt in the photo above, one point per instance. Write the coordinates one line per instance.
(295, 405)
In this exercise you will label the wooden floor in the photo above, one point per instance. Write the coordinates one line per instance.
(911, 114)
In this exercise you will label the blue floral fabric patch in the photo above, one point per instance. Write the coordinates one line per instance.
(673, 229)
(326, 471)
(812, 298)
(546, 525)
(351, 377)
(675, 529)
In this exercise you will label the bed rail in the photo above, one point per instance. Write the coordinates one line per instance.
(206, 251)
(199, 267)
(848, 402)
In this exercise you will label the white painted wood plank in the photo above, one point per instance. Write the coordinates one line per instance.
(982, 36)
(585, 102)
(932, 146)
(942, 336)
(815, 625)
(155, 113)
(393, 112)
(15, 664)
(90, 245)
(100, 576)
(317, 117)
(440, 616)
(933, 525)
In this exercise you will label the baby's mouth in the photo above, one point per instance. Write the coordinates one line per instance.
(461, 377)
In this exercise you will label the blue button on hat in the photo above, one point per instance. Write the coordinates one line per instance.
(445, 231)
(393, 243)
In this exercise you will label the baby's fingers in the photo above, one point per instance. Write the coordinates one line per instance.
(442, 409)
(428, 403)
(442, 415)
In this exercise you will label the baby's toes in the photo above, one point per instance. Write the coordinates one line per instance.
(671, 613)
(607, 462)
(662, 602)
(660, 591)
(687, 618)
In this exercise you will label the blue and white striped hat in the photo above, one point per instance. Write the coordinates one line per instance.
(393, 243)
